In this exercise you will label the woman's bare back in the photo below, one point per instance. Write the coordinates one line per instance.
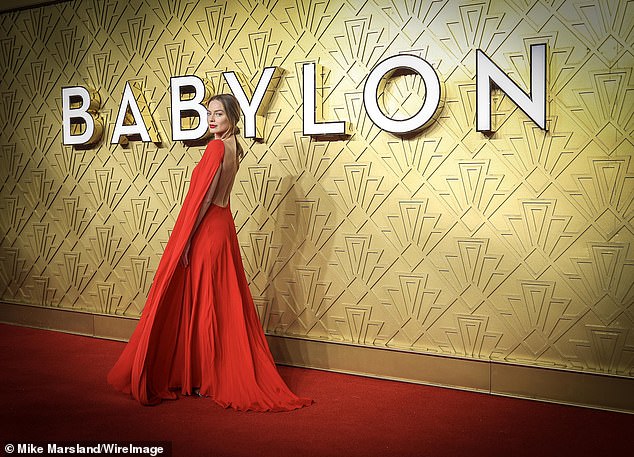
(227, 173)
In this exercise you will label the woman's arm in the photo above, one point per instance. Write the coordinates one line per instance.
(206, 203)
(207, 200)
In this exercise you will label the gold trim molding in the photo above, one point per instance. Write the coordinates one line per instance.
(568, 387)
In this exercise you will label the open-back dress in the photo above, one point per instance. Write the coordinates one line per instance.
(199, 328)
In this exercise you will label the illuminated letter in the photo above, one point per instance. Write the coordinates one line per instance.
(432, 93)
(141, 127)
(313, 107)
(87, 111)
(262, 94)
(487, 72)
(194, 104)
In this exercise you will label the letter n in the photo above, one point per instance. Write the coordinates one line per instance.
(488, 73)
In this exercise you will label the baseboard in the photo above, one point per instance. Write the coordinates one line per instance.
(568, 387)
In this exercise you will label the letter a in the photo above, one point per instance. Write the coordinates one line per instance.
(128, 101)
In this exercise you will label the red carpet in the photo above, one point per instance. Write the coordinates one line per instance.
(55, 389)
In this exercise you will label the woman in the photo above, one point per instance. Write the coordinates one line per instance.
(199, 332)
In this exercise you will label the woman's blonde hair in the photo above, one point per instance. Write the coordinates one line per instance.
(233, 111)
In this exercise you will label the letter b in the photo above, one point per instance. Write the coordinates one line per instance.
(85, 112)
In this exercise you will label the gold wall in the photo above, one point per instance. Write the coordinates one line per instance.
(515, 246)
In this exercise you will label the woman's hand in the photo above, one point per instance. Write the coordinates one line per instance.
(185, 256)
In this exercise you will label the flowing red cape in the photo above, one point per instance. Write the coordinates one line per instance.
(144, 365)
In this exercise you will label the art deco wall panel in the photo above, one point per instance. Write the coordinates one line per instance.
(512, 246)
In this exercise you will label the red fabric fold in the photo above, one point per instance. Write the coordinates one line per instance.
(156, 332)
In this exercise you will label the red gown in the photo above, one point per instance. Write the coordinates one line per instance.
(199, 327)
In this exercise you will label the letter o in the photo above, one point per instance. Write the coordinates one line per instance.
(432, 95)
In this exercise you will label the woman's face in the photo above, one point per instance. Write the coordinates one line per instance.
(217, 119)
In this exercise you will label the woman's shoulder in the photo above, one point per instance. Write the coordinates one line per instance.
(215, 147)
(214, 152)
(216, 143)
